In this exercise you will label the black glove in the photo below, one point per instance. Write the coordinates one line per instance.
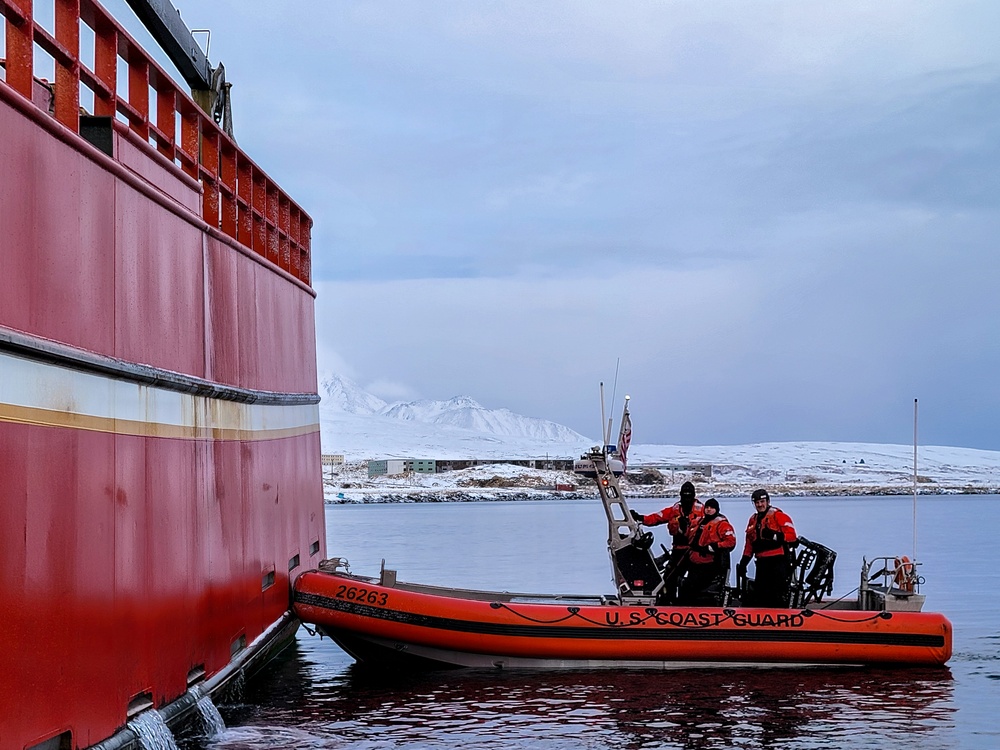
(683, 522)
(770, 535)
(637, 517)
(741, 567)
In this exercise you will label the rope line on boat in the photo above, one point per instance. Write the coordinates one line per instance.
(501, 605)
(819, 613)
(650, 614)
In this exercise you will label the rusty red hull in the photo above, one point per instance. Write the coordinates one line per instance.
(160, 472)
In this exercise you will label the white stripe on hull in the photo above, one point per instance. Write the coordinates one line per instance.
(41, 393)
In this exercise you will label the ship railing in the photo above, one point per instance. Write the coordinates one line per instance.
(121, 81)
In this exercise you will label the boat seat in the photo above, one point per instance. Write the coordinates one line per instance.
(812, 573)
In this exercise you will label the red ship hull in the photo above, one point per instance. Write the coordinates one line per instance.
(160, 472)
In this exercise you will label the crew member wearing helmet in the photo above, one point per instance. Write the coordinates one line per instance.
(712, 538)
(769, 538)
(680, 518)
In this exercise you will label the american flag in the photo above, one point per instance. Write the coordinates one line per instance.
(625, 437)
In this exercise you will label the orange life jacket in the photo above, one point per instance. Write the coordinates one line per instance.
(777, 521)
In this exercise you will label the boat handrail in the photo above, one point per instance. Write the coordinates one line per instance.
(890, 583)
(897, 574)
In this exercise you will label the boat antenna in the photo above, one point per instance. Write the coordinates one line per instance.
(614, 390)
(914, 479)
(605, 436)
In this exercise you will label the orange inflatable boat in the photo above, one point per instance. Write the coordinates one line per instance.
(385, 621)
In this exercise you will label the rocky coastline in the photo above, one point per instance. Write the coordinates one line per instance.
(537, 488)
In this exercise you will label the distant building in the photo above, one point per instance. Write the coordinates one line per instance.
(553, 464)
(422, 466)
(386, 467)
(394, 466)
(705, 470)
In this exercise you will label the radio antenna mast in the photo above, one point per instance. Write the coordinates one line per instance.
(605, 431)
(914, 480)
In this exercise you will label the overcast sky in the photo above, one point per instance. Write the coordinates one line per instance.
(781, 217)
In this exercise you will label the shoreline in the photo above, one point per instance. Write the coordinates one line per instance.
(351, 484)
(385, 496)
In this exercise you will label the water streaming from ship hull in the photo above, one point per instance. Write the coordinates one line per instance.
(153, 732)
(212, 722)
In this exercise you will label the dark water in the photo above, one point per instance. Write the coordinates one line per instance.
(315, 697)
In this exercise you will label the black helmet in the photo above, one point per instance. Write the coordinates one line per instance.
(760, 494)
(687, 490)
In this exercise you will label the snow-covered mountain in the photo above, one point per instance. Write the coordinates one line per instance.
(343, 395)
(361, 425)
(467, 414)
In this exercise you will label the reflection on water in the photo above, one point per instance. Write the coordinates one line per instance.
(310, 706)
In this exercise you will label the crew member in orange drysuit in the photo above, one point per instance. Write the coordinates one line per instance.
(770, 537)
(712, 539)
(679, 518)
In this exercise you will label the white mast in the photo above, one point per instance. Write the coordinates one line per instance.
(614, 391)
(914, 480)
(605, 431)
